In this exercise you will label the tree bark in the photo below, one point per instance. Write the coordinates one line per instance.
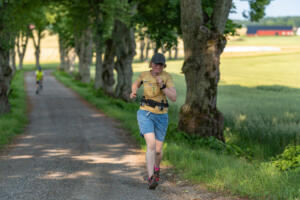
(99, 66)
(22, 42)
(84, 50)
(155, 49)
(108, 68)
(170, 54)
(5, 70)
(70, 65)
(98, 38)
(5, 79)
(125, 44)
(67, 57)
(147, 50)
(62, 54)
(176, 52)
(37, 46)
(202, 49)
(13, 59)
(37, 56)
(142, 48)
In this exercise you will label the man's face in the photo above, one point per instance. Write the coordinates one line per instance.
(157, 67)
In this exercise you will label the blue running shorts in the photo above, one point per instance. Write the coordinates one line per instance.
(153, 123)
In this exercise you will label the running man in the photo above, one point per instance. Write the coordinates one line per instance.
(152, 116)
(39, 79)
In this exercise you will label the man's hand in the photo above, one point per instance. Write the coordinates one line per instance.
(132, 95)
(159, 81)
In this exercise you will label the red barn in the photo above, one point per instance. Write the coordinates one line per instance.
(269, 30)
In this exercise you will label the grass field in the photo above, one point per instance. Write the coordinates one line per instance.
(258, 96)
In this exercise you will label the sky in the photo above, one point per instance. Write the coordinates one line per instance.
(275, 9)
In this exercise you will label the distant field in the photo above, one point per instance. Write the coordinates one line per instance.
(249, 70)
(287, 44)
(50, 53)
(266, 40)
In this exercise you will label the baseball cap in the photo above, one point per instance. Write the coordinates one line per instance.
(158, 58)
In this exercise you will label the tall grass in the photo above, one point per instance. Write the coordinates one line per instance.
(263, 118)
(226, 173)
(14, 122)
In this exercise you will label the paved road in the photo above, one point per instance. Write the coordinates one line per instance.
(70, 151)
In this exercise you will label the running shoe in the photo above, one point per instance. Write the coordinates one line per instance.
(152, 183)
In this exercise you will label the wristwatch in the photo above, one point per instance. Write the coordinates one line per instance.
(163, 87)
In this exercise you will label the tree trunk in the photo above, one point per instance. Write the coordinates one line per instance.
(5, 70)
(84, 50)
(67, 57)
(22, 42)
(13, 59)
(70, 63)
(99, 66)
(108, 68)
(176, 52)
(147, 50)
(142, 48)
(125, 44)
(62, 54)
(98, 38)
(21, 58)
(37, 56)
(202, 49)
(170, 54)
(155, 49)
(37, 46)
(5, 78)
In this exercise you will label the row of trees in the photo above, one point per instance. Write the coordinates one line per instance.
(274, 21)
(108, 29)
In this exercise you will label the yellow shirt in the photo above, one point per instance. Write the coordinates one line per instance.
(39, 75)
(152, 90)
